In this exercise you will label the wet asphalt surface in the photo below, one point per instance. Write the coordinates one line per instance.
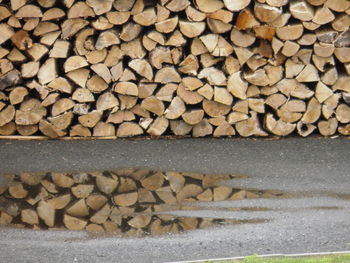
(314, 173)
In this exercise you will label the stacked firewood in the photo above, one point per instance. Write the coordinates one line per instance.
(174, 67)
(128, 201)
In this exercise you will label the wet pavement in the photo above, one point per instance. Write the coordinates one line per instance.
(126, 202)
(291, 196)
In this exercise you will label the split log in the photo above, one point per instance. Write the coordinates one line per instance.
(62, 180)
(126, 199)
(193, 117)
(206, 91)
(29, 216)
(46, 212)
(153, 105)
(102, 215)
(189, 97)
(342, 113)
(290, 32)
(153, 182)
(158, 127)
(78, 209)
(214, 109)
(222, 193)
(128, 129)
(121, 116)
(328, 127)
(126, 185)
(60, 202)
(236, 5)
(189, 190)
(145, 196)
(140, 221)
(176, 109)
(106, 185)
(250, 127)
(191, 29)
(313, 112)
(266, 13)
(96, 201)
(17, 191)
(74, 223)
(209, 6)
(278, 127)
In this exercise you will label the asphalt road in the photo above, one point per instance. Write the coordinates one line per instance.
(314, 172)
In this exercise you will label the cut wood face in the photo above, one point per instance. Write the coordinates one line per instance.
(173, 68)
(123, 202)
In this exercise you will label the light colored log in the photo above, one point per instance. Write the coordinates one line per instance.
(338, 6)
(168, 25)
(242, 39)
(100, 7)
(279, 127)
(96, 84)
(106, 101)
(191, 29)
(90, 119)
(29, 11)
(60, 202)
(18, 191)
(250, 126)
(194, 14)
(153, 182)
(17, 95)
(209, 6)
(308, 74)
(96, 201)
(266, 13)
(290, 32)
(78, 209)
(153, 105)
(180, 128)
(175, 109)
(62, 180)
(102, 215)
(74, 223)
(322, 92)
(46, 212)
(158, 127)
(74, 62)
(328, 127)
(213, 75)
(302, 10)
(329, 105)
(313, 112)
(236, 5)
(342, 54)
(126, 199)
(106, 184)
(342, 113)
(142, 67)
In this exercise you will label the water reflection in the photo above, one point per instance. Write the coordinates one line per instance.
(131, 202)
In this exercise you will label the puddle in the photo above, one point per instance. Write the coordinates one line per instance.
(127, 202)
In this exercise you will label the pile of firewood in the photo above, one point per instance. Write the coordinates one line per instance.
(128, 202)
(174, 67)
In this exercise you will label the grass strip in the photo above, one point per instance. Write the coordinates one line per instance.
(344, 258)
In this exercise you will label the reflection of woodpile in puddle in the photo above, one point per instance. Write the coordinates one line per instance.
(129, 201)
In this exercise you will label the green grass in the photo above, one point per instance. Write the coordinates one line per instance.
(318, 259)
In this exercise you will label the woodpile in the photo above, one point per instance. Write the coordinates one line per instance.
(123, 202)
(174, 67)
